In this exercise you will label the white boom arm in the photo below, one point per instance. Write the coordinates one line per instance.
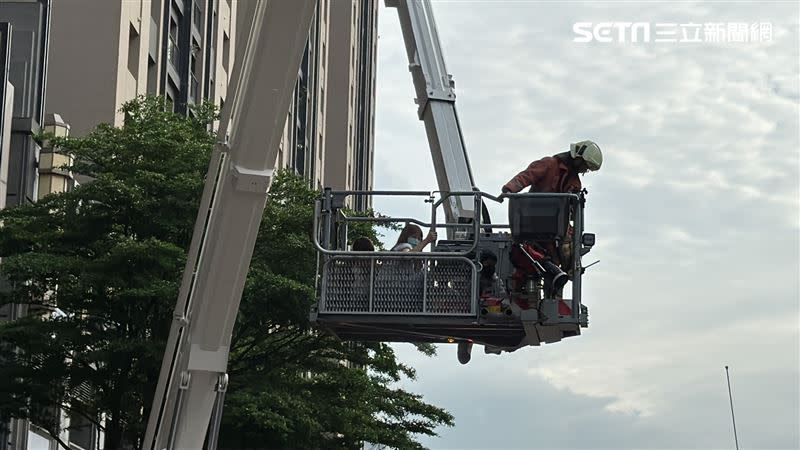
(436, 100)
(193, 376)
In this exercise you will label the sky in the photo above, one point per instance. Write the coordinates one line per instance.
(696, 211)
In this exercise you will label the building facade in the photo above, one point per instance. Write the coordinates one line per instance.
(106, 53)
(25, 32)
(89, 57)
(329, 133)
(350, 128)
(103, 54)
(24, 42)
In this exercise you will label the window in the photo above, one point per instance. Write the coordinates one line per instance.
(152, 76)
(324, 55)
(197, 16)
(194, 82)
(133, 52)
(37, 442)
(155, 11)
(196, 50)
(173, 29)
(173, 55)
(226, 50)
(80, 432)
(212, 87)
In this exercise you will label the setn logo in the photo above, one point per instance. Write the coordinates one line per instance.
(611, 32)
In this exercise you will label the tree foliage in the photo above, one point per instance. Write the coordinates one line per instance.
(295, 388)
(98, 269)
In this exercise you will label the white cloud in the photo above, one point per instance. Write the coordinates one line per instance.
(682, 237)
(697, 212)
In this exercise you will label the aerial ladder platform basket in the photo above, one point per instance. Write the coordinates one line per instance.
(439, 296)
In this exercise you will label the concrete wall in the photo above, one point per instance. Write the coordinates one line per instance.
(318, 106)
(84, 70)
(133, 37)
(101, 51)
(349, 131)
(90, 76)
(226, 26)
(338, 141)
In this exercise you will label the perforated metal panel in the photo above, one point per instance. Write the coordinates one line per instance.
(449, 287)
(399, 286)
(347, 284)
(384, 285)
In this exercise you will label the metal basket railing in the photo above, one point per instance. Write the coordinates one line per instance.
(381, 282)
(415, 284)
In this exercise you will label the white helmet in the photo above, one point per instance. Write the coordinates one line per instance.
(589, 152)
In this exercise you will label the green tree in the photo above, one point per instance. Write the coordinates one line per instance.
(109, 255)
(291, 387)
(99, 269)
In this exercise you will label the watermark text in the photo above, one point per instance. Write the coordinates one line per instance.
(690, 32)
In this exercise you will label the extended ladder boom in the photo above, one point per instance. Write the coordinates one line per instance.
(193, 375)
(193, 378)
(436, 100)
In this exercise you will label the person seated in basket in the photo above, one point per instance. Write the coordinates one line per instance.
(410, 239)
(363, 244)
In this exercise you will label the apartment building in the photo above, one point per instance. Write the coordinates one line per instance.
(25, 36)
(329, 132)
(24, 40)
(103, 54)
(350, 126)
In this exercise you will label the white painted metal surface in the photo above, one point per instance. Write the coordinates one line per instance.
(227, 224)
(436, 100)
(234, 196)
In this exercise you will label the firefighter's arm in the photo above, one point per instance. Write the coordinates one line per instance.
(527, 177)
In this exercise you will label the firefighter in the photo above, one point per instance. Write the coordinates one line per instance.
(558, 174)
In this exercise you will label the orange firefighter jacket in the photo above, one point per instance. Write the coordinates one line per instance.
(549, 174)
